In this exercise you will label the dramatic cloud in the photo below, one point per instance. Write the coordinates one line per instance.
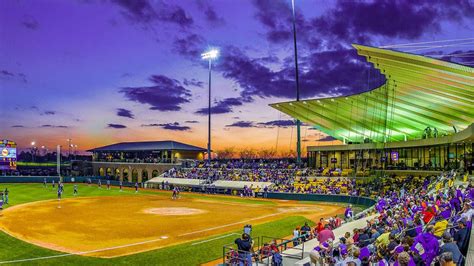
(223, 106)
(30, 22)
(269, 124)
(334, 72)
(189, 46)
(386, 18)
(275, 15)
(142, 11)
(191, 122)
(170, 126)
(193, 82)
(359, 21)
(125, 113)
(327, 138)
(117, 126)
(165, 95)
(53, 126)
(48, 113)
(278, 123)
(244, 124)
(210, 14)
(15, 126)
(8, 75)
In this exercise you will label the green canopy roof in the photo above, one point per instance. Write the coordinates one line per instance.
(419, 92)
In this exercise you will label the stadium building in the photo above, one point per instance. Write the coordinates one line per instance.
(421, 118)
(139, 161)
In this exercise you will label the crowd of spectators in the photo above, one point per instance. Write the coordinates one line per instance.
(296, 180)
(412, 227)
(243, 164)
(423, 224)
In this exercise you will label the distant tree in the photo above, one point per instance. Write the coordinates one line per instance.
(226, 153)
(248, 153)
(287, 154)
(267, 153)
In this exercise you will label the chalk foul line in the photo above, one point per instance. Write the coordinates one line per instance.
(82, 252)
(145, 242)
(212, 239)
(227, 225)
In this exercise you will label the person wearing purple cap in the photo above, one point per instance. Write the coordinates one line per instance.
(344, 256)
(319, 252)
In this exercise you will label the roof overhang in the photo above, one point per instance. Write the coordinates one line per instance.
(419, 92)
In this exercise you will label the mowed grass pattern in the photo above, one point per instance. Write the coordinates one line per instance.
(182, 254)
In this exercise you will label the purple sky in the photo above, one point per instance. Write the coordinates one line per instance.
(103, 71)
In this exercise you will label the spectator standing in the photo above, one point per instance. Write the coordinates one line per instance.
(296, 235)
(426, 245)
(326, 234)
(305, 230)
(320, 226)
(244, 247)
(461, 237)
(450, 246)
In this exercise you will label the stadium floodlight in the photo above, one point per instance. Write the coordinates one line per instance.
(209, 55)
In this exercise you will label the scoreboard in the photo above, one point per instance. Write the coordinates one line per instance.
(7, 155)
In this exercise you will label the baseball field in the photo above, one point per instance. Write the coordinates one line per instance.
(101, 226)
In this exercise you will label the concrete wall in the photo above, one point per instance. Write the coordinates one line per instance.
(131, 172)
(324, 198)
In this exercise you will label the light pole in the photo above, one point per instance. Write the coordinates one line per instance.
(69, 148)
(209, 55)
(298, 122)
(33, 148)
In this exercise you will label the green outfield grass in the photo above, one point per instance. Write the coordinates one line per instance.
(23, 193)
(182, 254)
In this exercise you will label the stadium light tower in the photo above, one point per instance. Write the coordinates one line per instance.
(298, 122)
(69, 147)
(209, 55)
(33, 150)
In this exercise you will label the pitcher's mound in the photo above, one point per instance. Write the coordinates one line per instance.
(174, 211)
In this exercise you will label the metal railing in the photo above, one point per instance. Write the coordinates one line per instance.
(264, 248)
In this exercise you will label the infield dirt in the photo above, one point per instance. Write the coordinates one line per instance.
(122, 225)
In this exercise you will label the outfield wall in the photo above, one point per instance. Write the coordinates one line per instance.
(368, 202)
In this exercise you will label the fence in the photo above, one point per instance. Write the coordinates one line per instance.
(264, 248)
(323, 198)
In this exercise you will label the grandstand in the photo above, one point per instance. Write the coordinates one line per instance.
(139, 161)
(421, 118)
